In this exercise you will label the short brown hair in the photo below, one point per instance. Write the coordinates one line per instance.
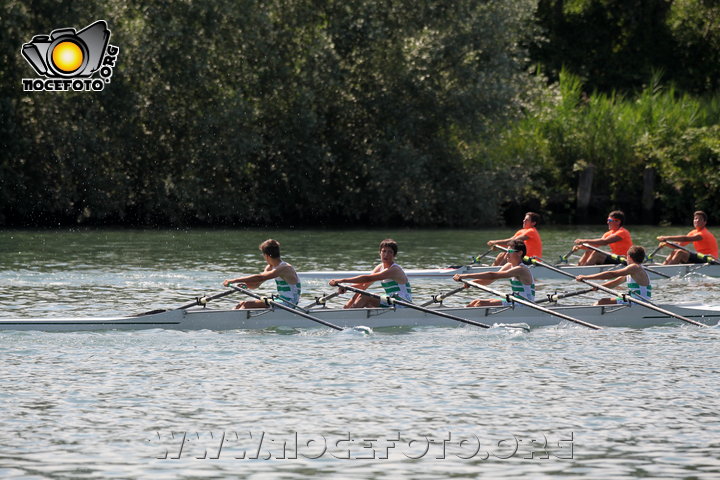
(518, 245)
(618, 214)
(390, 243)
(271, 248)
(702, 214)
(637, 253)
(534, 217)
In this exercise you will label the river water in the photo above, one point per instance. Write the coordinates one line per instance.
(413, 403)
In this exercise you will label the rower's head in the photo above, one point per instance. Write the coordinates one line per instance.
(616, 219)
(271, 248)
(636, 253)
(388, 250)
(531, 219)
(699, 219)
(516, 250)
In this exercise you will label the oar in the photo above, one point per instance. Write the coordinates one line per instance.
(528, 303)
(620, 258)
(629, 298)
(624, 260)
(205, 299)
(564, 258)
(479, 257)
(392, 300)
(708, 258)
(440, 298)
(321, 300)
(279, 305)
(555, 297)
(650, 257)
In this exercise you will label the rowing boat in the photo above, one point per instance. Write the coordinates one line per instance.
(212, 319)
(663, 271)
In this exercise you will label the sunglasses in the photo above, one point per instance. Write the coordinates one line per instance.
(609, 220)
(510, 250)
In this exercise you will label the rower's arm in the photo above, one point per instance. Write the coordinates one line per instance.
(363, 281)
(591, 241)
(607, 274)
(608, 240)
(679, 238)
(486, 277)
(504, 241)
(255, 279)
(613, 283)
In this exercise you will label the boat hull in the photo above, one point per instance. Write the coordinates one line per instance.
(656, 271)
(209, 319)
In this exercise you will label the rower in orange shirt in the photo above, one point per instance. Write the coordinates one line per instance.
(617, 238)
(704, 243)
(528, 234)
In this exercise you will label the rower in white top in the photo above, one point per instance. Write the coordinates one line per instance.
(521, 278)
(391, 277)
(286, 279)
(637, 278)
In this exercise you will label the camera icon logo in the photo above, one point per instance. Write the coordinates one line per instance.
(68, 54)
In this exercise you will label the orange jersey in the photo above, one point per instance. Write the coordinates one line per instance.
(621, 246)
(708, 245)
(533, 243)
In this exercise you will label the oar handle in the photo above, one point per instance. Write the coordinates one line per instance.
(279, 305)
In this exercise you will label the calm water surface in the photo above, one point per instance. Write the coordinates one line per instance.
(419, 403)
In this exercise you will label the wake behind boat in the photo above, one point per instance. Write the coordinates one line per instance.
(655, 271)
(211, 319)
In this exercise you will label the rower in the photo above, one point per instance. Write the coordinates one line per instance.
(528, 234)
(521, 278)
(704, 242)
(617, 238)
(286, 279)
(391, 276)
(637, 278)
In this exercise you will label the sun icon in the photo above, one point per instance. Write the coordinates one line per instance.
(67, 56)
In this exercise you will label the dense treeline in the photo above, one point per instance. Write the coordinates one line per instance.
(301, 112)
(655, 155)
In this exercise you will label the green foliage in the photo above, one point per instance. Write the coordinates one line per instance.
(282, 112)
(674, 133)
(691, 179)
(616, 45)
